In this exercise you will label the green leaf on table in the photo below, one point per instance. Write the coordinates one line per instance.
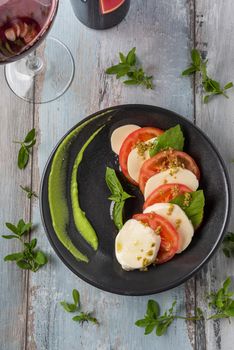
(129, 67)
(12, 227)
(76, 297)
(29, 192)
(68, 307)
(24, 151)
(23, 157)
(40, 258)
(13, 257)
(192, 204)
(30, 136)
(171, 138)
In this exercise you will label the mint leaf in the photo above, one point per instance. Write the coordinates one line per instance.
(193, 205)
(228, 245)
(171, 138)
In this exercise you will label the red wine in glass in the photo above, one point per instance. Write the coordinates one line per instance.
(24, 24)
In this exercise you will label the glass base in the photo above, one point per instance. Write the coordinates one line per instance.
(47, 83)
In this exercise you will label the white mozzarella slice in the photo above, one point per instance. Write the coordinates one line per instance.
(135, 161)
(120, 134)
(177, 217)
(136, 245)
(177, 175)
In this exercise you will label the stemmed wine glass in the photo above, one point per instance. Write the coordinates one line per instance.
(24, 25)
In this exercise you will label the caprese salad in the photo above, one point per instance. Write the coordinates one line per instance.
(168, 178)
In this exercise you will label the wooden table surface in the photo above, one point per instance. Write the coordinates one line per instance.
(164, 31)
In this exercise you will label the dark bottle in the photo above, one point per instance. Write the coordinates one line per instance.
(100, 14)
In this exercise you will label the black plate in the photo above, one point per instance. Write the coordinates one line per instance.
(103, 270)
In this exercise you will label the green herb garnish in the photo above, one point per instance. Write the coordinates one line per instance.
(192, 204)
(29, 192)
(28, 258)
(129, 67)
(220, 302)
(210, 86)
(228, 245)
(154, 320)
(118, 196)
(26, 145)
(75, 307)
(171, 138)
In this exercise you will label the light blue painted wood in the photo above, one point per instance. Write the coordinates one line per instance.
(160, 31)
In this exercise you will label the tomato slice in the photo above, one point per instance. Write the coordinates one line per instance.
(165, 193)
(140, 135)
(164, 160)
(169, 236)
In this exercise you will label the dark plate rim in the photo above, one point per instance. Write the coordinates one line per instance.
(197, 268)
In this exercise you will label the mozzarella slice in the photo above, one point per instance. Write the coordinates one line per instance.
(177, 217)
(174, 175)
(136, 245)
(136, 160)
(120, 134)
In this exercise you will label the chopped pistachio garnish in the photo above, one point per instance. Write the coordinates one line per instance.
(153, 245)
(173, 171)
(144, 269)
(170, 209)
(187, 199)
(150, 252)
(175, 190)
(119, 247)
(178, 222)
(158, 231)
(165, 181)
(142, 147)
(139, 258)
(145, 262)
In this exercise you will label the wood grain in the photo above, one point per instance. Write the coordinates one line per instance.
(15, 121)
(145, 27)
(214, 28)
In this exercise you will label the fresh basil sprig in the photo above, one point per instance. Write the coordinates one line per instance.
(154, 320)
(75, 307)
(26, 145)
(219, 301)
(228, 245)
(171, 138)
(30, 193)
(210, 86)
(129, 67)
(118, 196)
(192, 204)
(28, 258)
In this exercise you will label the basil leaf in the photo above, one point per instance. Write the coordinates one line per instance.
(12, 227)
(113, 182)
(153, 309)
(24, 265)
(189, 71)
(196, 57)
(131, 57)
(40, 258)
(9, 236)
(142, 323)
(23, 157)
(33, 243)
(149, 328)
(30, 136)
(118, 214)
(195, 208)
(228, 86)
(13, 257)
(76, 296)
(68, 307)
(171, 138)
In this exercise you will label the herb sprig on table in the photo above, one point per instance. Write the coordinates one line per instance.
(118, 195)
(26, 145)
(30, 193)
(28, 258)
(130, 68)
(75, 307)
(210, 86)
(220, 302)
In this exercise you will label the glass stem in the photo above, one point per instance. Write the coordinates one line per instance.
(34, 63)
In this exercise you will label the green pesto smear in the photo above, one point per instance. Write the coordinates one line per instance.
(81, 222)
(57, 192)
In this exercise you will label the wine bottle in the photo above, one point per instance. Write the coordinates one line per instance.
(100, 14)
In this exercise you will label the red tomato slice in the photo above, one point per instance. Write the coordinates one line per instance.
(165, 193)
(140, 135)
(169, 236)
(164, 160)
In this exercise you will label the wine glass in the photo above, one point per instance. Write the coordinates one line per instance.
(24, 25)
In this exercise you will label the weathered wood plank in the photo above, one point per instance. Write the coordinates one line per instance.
(214, 36)
(15, 120)
(161, 32)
